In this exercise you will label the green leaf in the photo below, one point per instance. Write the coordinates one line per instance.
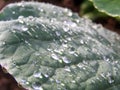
(88, 10)
(58, 52)
(111, 8)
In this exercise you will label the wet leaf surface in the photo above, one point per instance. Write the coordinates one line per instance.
(57, 50)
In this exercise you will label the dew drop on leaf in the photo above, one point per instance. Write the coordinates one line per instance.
(36, 87)
(66, 60)
(55, 57)
(69, 14)
(37, 75)
(67, 69)
(24, 28)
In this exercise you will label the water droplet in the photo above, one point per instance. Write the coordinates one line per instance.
(3, 43)
(66, 29)
(55, 57)
(69, 38)
(77, 20)
(13, 12)
(106, 58)
(72, 50)
(64, 45)
(31, 18)
(27, 43)
(24, 28)
(37, 53)
(80, 66)
(36, 87)
(66, 60)
(52, 20)
(20, 19)
(58, 33)
(102, 75)
(46, 75)
(58, 81)
(94, 26)
(38, 75)
(81, 41)
(73, 81)
(62, 84)
(92, 81)
(67, 69)
(69, 14)
(24, 82)
(110, 79)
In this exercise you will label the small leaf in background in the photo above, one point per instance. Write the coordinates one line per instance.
(88, 10)
(110, 7)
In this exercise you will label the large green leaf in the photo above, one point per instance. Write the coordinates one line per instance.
(58, 52)
(110, 7)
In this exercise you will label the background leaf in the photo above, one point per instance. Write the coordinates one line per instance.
(110, 7)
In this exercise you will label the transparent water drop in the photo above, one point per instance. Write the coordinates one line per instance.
(36, 87)
(31, 18)
(66, 60)
(110, 79)
(46, 75)
(77, 20)
(106, 58)
(24, 28)
(73, 81)
(37, 53)
(27, 43)
(58, 51)
(20, 19)
(55, 57)
(38, 75)
(66, 28)
(36, 36)
(54, 12)
(69, 39)
(53, 20)
(93, 81)
(72, 50)
(62, 84)
(67, 69)
(73, 24)
(85, 62)
(24, 82)
(81, 41)
(103, 75)
(3, 43)
(94, 26)
(57, 81)
(80, 66)
(13, 31)
(64, 45)
(69, 14)
(58, 33)
(13, 12)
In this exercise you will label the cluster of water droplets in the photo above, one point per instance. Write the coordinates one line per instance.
(66, 47)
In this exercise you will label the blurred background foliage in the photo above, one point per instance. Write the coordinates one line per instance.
(84, 8)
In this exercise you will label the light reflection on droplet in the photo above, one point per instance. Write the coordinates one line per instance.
(24, 28)
(66, 60)
(38, 75)
(55, 57)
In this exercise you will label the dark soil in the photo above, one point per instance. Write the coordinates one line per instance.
(7, 82)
